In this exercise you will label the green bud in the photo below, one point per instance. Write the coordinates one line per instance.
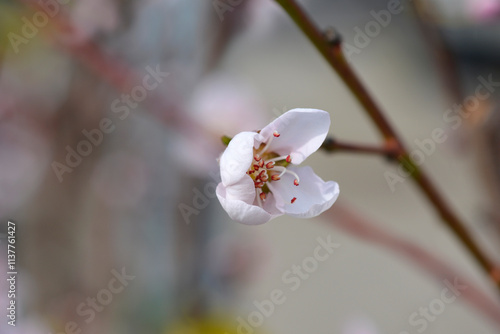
(226, 140)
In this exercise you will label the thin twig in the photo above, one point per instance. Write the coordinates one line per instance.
(333, 145)
(332, 52)
(352, 222)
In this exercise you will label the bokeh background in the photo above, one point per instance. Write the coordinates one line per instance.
(142, 200)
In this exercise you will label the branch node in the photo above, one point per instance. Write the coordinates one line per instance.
(332, 36)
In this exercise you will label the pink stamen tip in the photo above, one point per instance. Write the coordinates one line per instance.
(288, 159)
(264, 178)
(276, 134)
(296, 182)
(262, 196)
(261, 163)
(293, 200)
(256, 167)
(257, 157)
(270, 164)
(275, 177)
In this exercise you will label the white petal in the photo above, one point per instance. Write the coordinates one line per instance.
(270, 206)
(243, 212)
(237, 157)
(243, 190)
(314, 195)
(302, 131)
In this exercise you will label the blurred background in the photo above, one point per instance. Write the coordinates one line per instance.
(111, 114)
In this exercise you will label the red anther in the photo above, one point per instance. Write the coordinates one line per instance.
(293, 200)
(259, 184)
(270, 164)
(261, 175)
(251, 171)
(296, 182)
(276, 134)
(262, 196)
(264, 178)
(256, 167)
(257, 157)
(261, 163)
(288, 159)
(275, 177)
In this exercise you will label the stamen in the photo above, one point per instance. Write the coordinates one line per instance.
(294, 174)
(261, 167)
(284, 170)
(267, 145)
(281, 169)
(259, 201)
(297, 179)
(283, 157)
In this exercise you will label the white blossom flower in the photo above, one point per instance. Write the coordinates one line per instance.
(259, 181)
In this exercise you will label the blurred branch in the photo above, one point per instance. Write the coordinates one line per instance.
(484, 125)
(446, 62)
(332, 52)
(344, 218)
(112, 70)
(225, 31)
(332, 145)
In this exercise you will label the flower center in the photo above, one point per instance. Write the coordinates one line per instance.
(269, 167)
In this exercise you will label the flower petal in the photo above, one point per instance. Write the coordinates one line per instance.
(237, 157)
(243, 212)
(302, 131)
(243, 190)
(313, 195)
(270, 206)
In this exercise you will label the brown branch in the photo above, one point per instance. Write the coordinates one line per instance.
(332, 52)
(355, 224)
(333, 145)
